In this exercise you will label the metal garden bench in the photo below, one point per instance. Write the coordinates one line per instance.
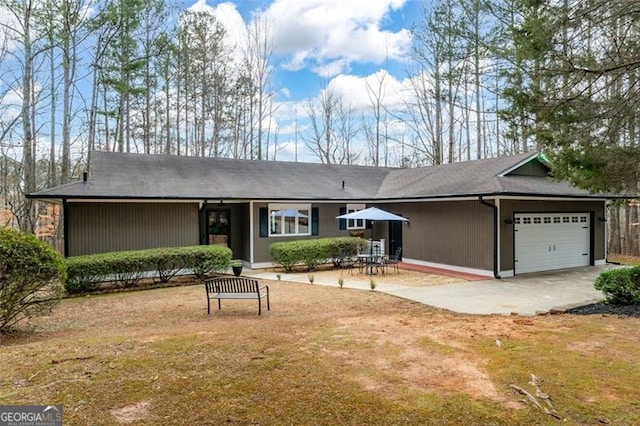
(235, 288)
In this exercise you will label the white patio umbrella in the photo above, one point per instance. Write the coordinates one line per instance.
(372, 214)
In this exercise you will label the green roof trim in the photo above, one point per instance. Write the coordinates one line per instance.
(543, 157)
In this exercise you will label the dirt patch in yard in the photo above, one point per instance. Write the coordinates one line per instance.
(132, 413)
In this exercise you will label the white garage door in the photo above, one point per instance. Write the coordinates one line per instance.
(547, 241)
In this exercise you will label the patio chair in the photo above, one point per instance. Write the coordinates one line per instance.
(379, 263)
(346, 260)
(395, 260)
(377, 260)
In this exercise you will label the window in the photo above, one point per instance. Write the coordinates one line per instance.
(289, 219)
(355, 223)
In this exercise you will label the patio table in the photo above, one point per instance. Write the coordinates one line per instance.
(371, 260)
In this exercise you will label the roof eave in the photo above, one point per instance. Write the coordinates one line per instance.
(61, 198)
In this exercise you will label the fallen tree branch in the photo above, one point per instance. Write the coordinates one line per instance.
(549, 410)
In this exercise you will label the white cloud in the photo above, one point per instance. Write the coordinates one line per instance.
(286, 150)
(226, 14)
(11, 96)
(285, 92)
(232, 21)
(359, 90)
(10, 34)
(354, 91)
(329, 35)
(332, 68)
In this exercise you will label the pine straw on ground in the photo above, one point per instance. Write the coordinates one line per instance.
(322, 355)
(402, 276)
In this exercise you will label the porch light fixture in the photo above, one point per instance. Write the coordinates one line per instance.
(221, 203)
(602, 219)
(508, 221)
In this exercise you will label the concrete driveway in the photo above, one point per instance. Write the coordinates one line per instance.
(528, 294)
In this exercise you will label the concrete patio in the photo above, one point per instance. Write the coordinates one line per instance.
(530, 294)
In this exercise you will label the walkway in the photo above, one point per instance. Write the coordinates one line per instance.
(529, 294)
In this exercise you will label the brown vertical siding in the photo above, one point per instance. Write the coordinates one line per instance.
(105, 227)
(328, 226)
(456, 233)
(509, 207)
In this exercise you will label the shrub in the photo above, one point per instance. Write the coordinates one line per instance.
(316, 252)
(128, 267)
(312, 252)
(85, 273)
(168, 262)
(31, 274)
(621, 286)
(285, 254)
(203, 260)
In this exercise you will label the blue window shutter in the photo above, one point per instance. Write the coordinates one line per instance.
(314, 221)
(264, 221)
(343, 222)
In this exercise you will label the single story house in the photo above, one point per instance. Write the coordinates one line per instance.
(493, 217)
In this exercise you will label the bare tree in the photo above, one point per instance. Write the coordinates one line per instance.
(20, 31)
(331, 128)
(258, 70)
(374, 132)
(424, 101)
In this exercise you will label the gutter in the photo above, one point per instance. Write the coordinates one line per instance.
(496, 272)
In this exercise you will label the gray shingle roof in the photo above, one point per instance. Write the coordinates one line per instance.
(121, 175)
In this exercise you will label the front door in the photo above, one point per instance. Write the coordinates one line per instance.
(395, 236)
(219, 227)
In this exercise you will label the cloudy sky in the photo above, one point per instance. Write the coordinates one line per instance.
(344, 43)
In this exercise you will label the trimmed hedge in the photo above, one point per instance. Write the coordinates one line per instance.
(86, 273)
(621, 286)
(31, 277)
(314, 252)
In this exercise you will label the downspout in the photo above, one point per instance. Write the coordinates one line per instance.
(496, 273)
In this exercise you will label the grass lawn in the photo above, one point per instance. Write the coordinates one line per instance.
(322, 355)
(624, 260)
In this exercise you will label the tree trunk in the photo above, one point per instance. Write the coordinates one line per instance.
(28, 219)
(613, 223)
(52, 147)
(634, 248)
(69, 69)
